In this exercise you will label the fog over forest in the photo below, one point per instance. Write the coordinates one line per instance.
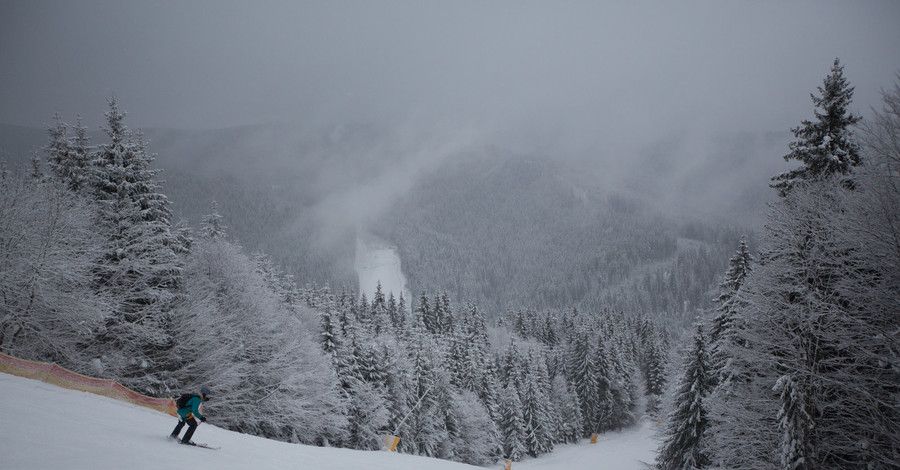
(343, 108)
(598, 82)
(556, 199)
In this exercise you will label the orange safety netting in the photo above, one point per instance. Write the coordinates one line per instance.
(56, 375)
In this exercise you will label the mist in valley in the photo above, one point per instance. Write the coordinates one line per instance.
(311, 123)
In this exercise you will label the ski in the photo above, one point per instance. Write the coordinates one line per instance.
(206, 446)
(195, 444)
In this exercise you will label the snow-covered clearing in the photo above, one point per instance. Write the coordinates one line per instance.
(46, 427)
(378, 261)
(629, 449)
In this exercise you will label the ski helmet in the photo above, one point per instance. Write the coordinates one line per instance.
(205, 392)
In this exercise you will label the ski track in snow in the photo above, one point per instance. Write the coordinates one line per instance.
(46, 427)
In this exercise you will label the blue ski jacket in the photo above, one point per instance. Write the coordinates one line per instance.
(192, 409)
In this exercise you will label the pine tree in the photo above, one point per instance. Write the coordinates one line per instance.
(402, 313)
(582, 371)
(397, 391)
(478, 441)
(656, 366)
(211, 225)
(622, 389)
(69, 157)
(448, 317)
(536, 413)
(796, 422)
(653, 352)
(739, 267)
(381, 318)
(683, 448)
(567, 409)
(425, 424)
(330, 330)
(825, 146)
(605, 378)
(723, 329)
(489, 391)
(512, 369)
(37, 173)
(424, 310)
(141, 267)
(512, 425)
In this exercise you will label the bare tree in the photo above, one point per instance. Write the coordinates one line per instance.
(48, 250)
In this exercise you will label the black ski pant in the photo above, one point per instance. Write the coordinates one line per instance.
(192, 426)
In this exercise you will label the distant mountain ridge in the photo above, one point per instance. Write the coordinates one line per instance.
(483, 223)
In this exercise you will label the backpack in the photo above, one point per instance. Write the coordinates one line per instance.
(182, 401)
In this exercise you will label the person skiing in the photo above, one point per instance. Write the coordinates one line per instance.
(189, 409)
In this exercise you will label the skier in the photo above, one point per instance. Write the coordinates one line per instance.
(189, 408)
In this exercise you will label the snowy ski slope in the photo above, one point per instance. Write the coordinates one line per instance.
(46, 427)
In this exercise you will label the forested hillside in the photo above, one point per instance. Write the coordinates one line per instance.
(502, 229)
(510, 231)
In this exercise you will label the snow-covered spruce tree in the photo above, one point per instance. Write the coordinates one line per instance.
(367, 407)
(722, 329)
(825, 146)
(329, 330)
(367, 415)
(536, 412)
(512, 424)
(425, 423)
(622, 385)
(211, 226)
(835, 253)
(656, 363)
(683, 447)
(478, 442)
(740, 436)
(141, 267)
(783, 343)
(813, 364)
(817, 345)
(424, 309)
(397, 388)
(396, 312)
(489, 390)
(458, 360)
(653, 351)
(471, 332)
(605, 379)
(69, 157)
(381, 318)
(566, 405)
(582, 370)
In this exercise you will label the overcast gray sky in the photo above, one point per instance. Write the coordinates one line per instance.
(574, 70)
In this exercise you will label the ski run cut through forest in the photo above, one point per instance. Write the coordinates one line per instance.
(47, 427)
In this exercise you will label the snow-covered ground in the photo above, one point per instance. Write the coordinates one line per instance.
(46, 427)
(377, 260)
(631, 449)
